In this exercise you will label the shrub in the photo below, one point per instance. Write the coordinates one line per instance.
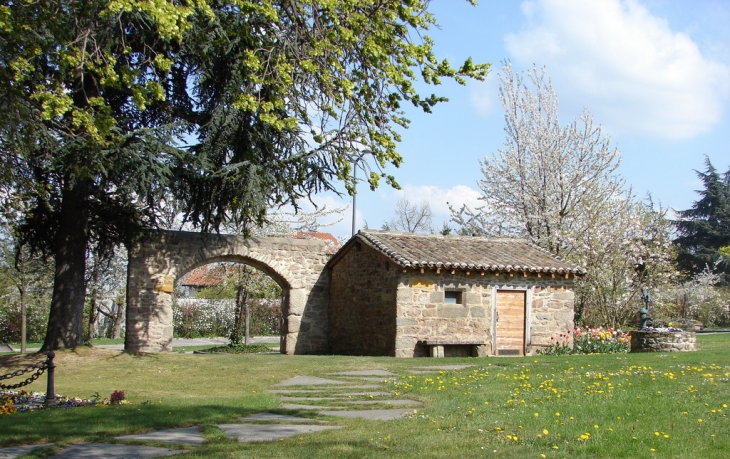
(195, 317)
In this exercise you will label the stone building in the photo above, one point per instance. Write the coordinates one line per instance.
(409, 295)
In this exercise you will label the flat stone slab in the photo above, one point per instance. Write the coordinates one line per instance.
(295, 406)
(311, 381)
(273, 417)
(309, 399)
(365, 373)
(380, 415)
(269, 432)
(325, 388)
(189, 435)
(385, 402)
(12, 452)
(108, 451)
(443, 367)
(360, 394)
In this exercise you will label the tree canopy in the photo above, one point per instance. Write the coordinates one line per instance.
(556, 186)
(704, 229)
(114, 111)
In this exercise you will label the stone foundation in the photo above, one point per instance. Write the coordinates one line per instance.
(658, 341)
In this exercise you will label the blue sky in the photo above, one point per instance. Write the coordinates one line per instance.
(654, 73)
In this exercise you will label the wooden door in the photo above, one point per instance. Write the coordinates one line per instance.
(510, 322)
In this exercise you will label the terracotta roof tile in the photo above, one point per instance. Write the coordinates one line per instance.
(332, 245)
(465, 252)
(205, 276)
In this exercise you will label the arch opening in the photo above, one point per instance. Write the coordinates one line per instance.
(162, 257)
(229, 299)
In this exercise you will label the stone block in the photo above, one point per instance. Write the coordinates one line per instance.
(477, 311)
(452, 311)
(404, 321)
(437, 297)
(472, 298)
(297, 301)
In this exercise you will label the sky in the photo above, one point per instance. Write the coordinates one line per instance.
(655, 74)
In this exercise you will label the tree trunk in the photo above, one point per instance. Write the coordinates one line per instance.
(23, 311)
(118, 320)
(66, 318)
(93, 308)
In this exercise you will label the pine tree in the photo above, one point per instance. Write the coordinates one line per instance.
(705, 228)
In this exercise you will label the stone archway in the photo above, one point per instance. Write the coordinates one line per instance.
(162, 257)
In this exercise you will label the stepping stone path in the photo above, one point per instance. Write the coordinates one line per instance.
(344, 398)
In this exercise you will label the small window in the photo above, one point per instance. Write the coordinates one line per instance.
(452, 297)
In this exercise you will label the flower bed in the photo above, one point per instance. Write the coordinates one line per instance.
(20, 401)
(589, 340)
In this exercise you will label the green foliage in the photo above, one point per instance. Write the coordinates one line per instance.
(703, 229)
(115, 112)
(24, 278)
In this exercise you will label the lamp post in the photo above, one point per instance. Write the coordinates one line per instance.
(354, 181)
(354, 196)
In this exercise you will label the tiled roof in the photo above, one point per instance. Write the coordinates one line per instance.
(465, 252)
(332, 245)
(205, 276)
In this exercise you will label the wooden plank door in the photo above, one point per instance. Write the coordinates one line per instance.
(510, 322)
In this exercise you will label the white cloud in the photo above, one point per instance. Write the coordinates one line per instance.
(626, 66)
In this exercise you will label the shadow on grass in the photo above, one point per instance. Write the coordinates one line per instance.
(100, 423)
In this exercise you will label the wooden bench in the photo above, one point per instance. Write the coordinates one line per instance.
(437, 347)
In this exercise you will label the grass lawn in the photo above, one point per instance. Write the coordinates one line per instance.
(597, 406)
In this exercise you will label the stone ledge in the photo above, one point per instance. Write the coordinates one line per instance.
(658, 341)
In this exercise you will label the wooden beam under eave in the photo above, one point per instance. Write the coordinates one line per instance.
(421, 270)
(453, 271)
(438, 270)
(468, 273)
(567, 275)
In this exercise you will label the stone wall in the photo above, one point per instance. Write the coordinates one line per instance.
(362, 303)
(163, 256)
(422, 314)
(658, 341)
(378, 308)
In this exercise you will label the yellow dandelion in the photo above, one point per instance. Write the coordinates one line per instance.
(558, 414)
(656, 433)
(555, 447)
(700, 420)
(666, 435)
(595, 426)
(537, 414)
(545, 431)
(653, 450)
